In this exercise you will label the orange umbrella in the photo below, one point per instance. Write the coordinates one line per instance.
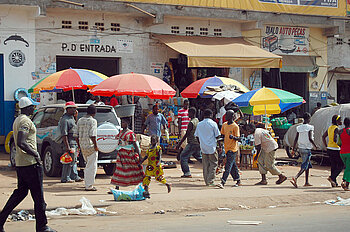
(134, 84)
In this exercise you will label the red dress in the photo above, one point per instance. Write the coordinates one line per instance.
(128, 170)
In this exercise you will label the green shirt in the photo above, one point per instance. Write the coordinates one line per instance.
(23, 123)
(191, 138)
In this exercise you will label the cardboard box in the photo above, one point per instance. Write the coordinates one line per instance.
(144, 142)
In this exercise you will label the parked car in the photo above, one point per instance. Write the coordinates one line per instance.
(46, 121)
(321, 120)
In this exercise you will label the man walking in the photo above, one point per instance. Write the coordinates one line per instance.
(68, 127)
(231, 135)
(207, 131)
(154, 122)
(266, 147)
(183, 120)
(86, 139)
(305, 140)
(192, 147)
(28, 167)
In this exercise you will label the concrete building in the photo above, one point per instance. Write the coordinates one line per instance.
(40, 37)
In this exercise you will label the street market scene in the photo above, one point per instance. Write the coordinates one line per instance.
(174, 115)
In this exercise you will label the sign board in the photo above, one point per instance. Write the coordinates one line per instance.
(286, 40)
(156, 67)
(125, 46)
(305, 7)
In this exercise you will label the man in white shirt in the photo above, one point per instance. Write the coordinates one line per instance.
(207, 131)
(86, 139)
(305, 139)
(266, 147)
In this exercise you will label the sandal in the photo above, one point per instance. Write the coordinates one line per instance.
(261, 183)
(294, 182)
(281, 180)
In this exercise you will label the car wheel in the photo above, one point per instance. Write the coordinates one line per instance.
(289, 153)
(12, 154)
(109, 169)
(51, 163)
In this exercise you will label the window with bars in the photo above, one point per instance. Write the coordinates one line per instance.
(100, 26)
(83, 25)
(189, 30)
(203, 31)
(115, 26)
(66, 24)
(217, 32)
(175, 29)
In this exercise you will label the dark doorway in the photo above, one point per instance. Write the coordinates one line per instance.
(108, 66)
(293, 82)
(343, 93)
(105, 65)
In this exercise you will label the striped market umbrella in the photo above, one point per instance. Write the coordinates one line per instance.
(198, 88)
(69, 79)
(264, 101)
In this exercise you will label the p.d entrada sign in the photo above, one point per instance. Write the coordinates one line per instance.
(73, 47)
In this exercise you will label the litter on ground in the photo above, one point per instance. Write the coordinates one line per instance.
(224, 209)
(244, 222)
(339, 201)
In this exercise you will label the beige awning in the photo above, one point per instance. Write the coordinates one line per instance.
(221, 52)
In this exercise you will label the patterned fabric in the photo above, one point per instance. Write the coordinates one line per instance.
(154, 167)
(24, 124)
(183, 114)
(128, 170)
(87, 128)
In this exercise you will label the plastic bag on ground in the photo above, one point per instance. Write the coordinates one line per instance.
(135, 195)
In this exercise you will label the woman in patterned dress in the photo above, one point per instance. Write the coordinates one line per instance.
(154, 167)
(128, 168)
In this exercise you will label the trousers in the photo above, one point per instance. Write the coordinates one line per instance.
(29, 178)
(70, 171)
(190, 149)
(210, 163)
(230, 167)
(90, 169)
(337, 164)
(266, 162)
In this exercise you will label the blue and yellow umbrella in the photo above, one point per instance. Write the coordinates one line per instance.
(267, 101)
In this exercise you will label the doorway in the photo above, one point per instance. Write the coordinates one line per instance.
(2, 104)
(343, 94)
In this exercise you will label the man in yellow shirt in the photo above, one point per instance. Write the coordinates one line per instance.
(230, 132)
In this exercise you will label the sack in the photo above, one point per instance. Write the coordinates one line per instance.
(136, 195)
(56, 134)
(66, 158)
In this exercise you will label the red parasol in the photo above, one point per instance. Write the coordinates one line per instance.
(134, 84)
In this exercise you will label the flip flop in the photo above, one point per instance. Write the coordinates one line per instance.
(280, 181)
(294, 182)
(307, 185)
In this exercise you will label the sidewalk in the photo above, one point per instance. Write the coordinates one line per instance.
(188, 195)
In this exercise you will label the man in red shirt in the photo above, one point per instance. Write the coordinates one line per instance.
(183, 120)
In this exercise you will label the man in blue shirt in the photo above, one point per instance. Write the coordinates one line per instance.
(155, 121)
(207, 131)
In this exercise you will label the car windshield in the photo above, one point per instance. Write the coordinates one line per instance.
(103, 115)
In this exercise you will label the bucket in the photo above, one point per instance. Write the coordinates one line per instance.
(125, 110)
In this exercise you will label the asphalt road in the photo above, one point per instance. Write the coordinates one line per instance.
(289, 219)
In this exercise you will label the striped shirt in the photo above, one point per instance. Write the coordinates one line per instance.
(183, 114)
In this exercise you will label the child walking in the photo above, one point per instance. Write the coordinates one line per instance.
(154, 167)
(305, 139)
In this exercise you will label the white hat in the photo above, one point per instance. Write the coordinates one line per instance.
(25, 102)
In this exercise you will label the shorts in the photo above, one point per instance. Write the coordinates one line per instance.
(306, 157)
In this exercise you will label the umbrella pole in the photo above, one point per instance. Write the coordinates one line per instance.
(265, 118)
(133, 116)
(73, 95)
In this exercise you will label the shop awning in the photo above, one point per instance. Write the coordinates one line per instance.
(220, 52)
(299, 64)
